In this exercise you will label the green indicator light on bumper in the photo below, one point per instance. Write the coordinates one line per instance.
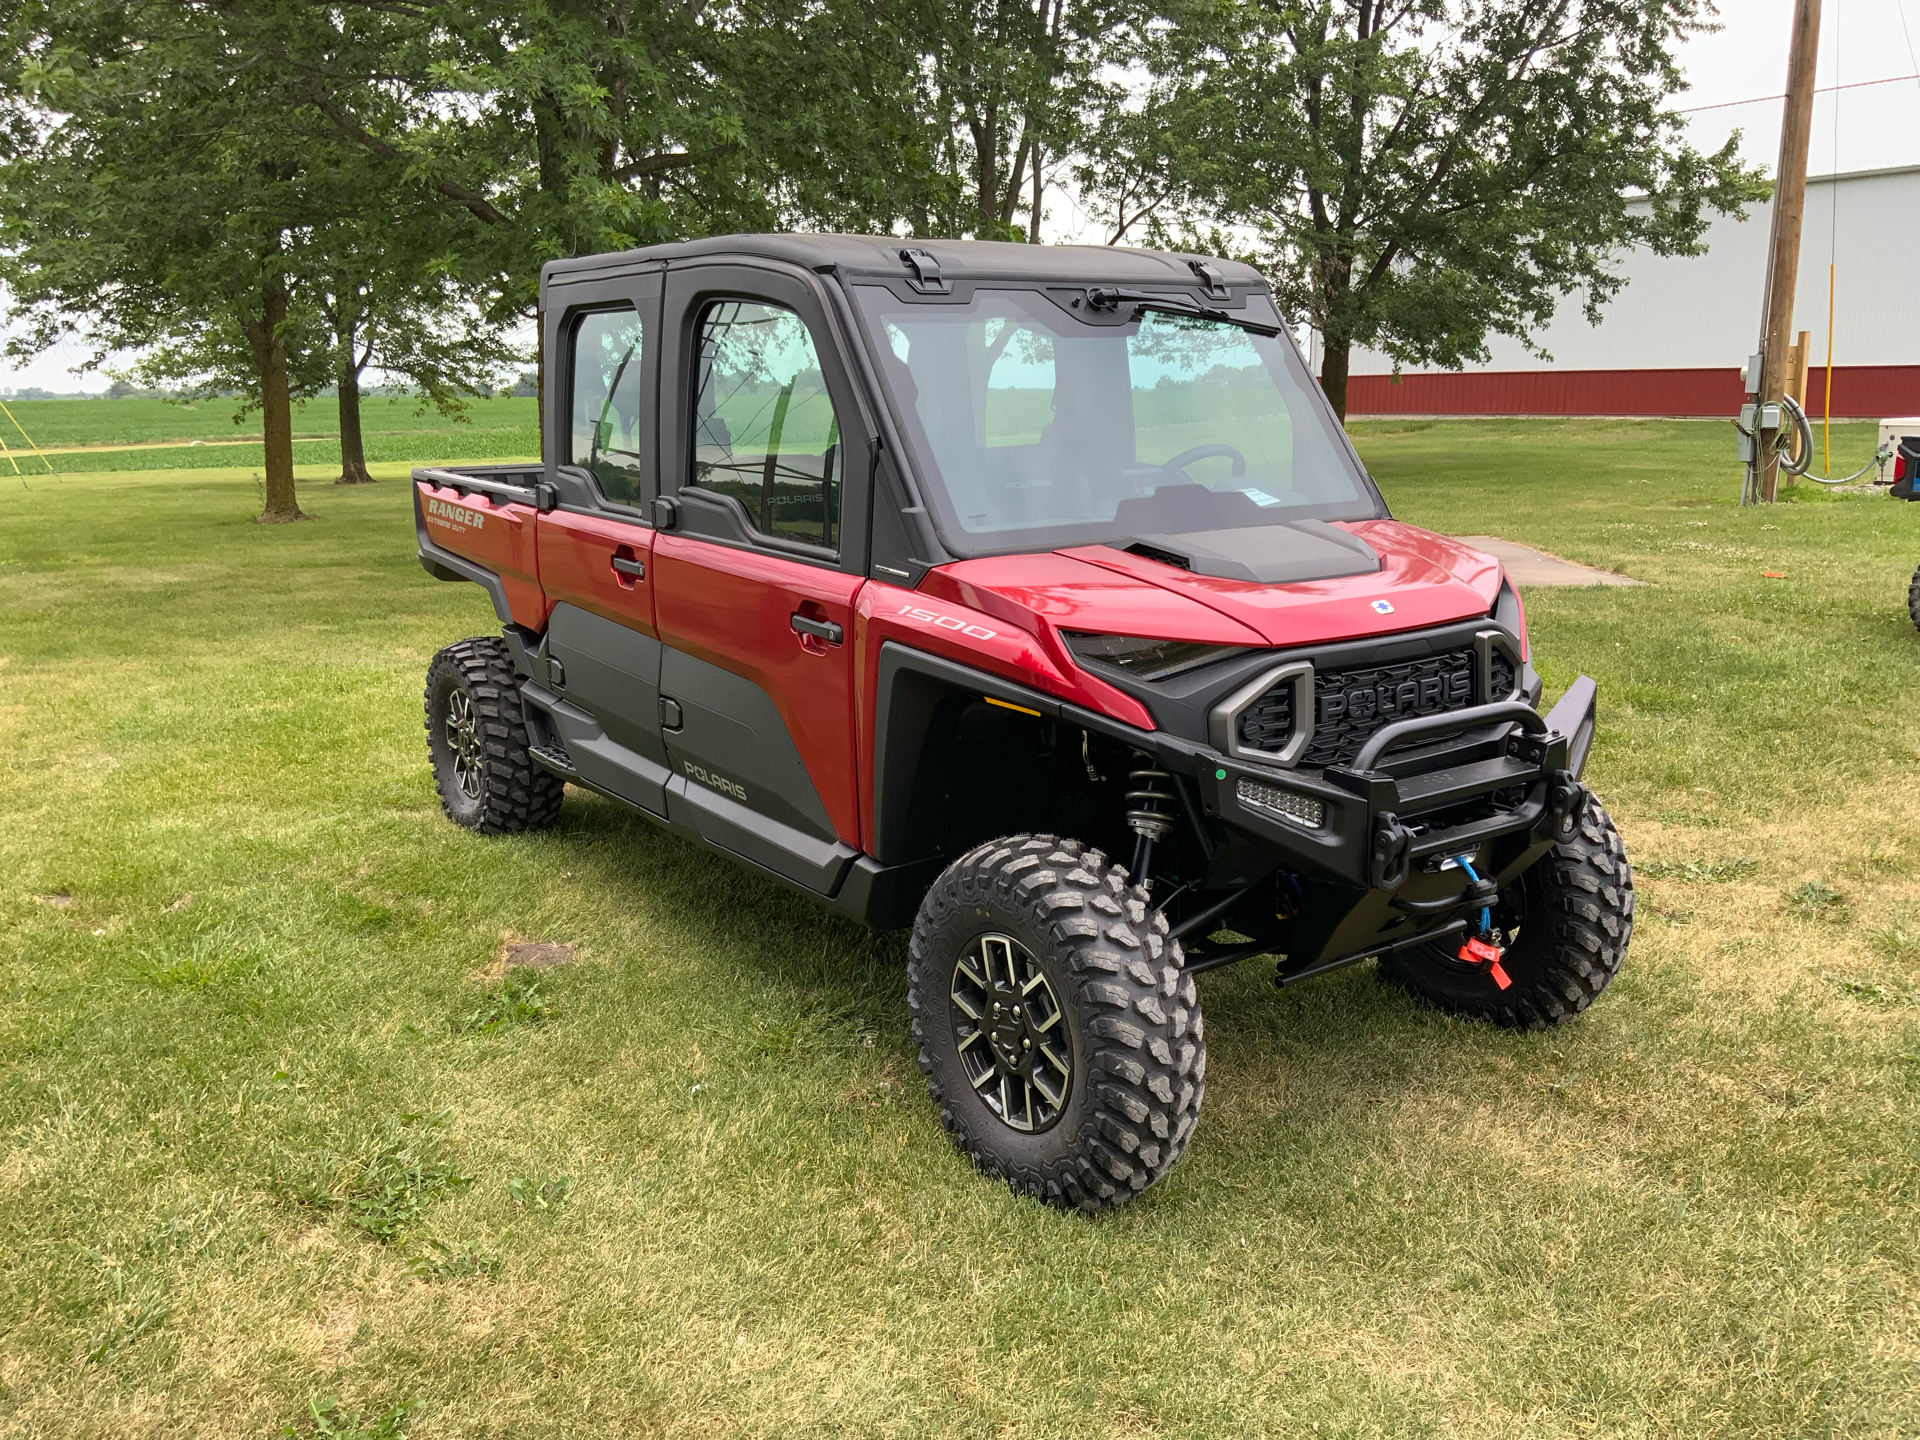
(1219, 774)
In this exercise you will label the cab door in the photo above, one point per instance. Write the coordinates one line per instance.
(756, 569)
(596, 547)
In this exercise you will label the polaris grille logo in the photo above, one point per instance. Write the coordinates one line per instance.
(1394, 696)
(456, 514)
(714, 782)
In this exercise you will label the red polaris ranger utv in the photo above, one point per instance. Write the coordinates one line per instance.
(1031, 596)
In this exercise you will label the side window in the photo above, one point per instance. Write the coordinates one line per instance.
(605, 401)
(764, 430)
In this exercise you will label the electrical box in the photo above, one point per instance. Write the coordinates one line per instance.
(1754, 363)
(1768, 418)
(1892, 432)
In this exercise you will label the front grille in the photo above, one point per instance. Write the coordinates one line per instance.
(1351, 704)
(1267, 724)
(1503, 681)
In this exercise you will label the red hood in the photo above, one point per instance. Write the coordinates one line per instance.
(1426, 579)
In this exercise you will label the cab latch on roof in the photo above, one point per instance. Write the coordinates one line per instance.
(1210, 279)
(926, 273)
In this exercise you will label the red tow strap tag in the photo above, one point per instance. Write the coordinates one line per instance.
(1478, 952)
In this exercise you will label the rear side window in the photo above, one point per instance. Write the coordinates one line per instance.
(605, 403)
(764, 430)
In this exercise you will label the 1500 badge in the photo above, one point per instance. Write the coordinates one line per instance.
(456, 514)
(947, 622)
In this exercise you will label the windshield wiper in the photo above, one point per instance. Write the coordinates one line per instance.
(1112, 297)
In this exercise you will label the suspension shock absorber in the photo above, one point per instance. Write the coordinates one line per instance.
(1149, 811)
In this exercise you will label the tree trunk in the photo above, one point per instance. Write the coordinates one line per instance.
(1335, 350)
(266, 334)
(1039, 189)
(353, 450)
(1335, 274)
(986, 179)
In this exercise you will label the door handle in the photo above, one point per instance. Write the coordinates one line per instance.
(819, 629)
(636, 568)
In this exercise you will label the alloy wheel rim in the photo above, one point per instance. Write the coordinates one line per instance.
(1010, 1033)
(463, 743)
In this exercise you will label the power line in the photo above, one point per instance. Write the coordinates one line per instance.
(1823, 90)
(1900, 9)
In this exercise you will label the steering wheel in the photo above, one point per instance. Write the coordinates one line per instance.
(1206, 452)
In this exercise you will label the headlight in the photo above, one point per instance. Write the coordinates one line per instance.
(1148, 659)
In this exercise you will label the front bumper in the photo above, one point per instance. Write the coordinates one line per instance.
(1377, 821)
(1381, 867)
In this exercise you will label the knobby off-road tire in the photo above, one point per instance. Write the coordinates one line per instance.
(1913, 599)
(1090, 963)
(477, 740)
(1573, 912)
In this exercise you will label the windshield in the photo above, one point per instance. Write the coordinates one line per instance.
(1040, 430)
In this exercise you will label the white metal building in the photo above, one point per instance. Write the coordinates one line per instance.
(1675, 339)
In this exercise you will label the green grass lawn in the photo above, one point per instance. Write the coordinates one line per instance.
(392, 429)
(276, 1131)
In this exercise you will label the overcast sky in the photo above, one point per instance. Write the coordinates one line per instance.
(1860, 40)
(1735, 71)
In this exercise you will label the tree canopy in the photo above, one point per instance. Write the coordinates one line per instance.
(271, 195)
(1415, 175)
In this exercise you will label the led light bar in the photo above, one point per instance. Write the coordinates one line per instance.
(1288, 806)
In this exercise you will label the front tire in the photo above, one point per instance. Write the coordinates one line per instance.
(1059, 1035)
(1913, 599)
(477, 741)
(1573, 914)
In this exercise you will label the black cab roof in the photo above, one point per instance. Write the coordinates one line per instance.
(881, 255)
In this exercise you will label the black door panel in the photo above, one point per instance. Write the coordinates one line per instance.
(602, 761)
(613, 672)
(733, 742)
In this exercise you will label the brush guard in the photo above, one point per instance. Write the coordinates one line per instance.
(1376, 833)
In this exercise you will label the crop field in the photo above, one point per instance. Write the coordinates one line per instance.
(93, 436)
(296, 1134)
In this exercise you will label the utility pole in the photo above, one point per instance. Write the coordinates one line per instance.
(1783, 248)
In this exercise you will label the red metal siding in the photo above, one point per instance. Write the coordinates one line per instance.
(1859, 392)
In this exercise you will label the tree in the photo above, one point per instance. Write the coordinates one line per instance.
(1139, 174)
(570, 127)
(588, 125)
(388, 299)
(184, 195)
(1417, 174)
(155, 210)
(1000, 91)
(273, 194)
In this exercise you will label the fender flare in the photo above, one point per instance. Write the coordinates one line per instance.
(910, 684)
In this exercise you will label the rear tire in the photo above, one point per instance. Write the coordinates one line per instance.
(1913, 599)
(477, 741)
(1082, 1088)
(1574, 915)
